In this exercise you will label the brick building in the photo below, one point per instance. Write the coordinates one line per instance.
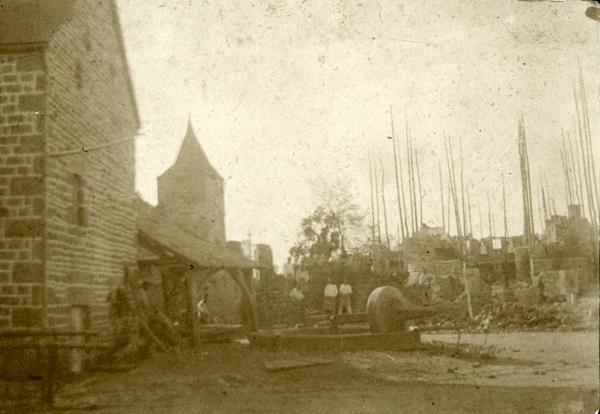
(191, 192)
(67, 125)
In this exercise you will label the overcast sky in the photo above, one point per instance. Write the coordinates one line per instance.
(286, 93)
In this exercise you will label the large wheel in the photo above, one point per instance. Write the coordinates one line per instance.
(384, 310)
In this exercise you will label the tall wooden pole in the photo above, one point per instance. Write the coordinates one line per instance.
(377, 206)
(442, 197)
(480, 222)
(584, 163)
(567, 176)
(449, 206)
(463, 247)
(462, 189)
(410, 177)
(544, 203)
(451, 171)
(539, 210)
(504, 208)
(398, 194)
(385, 218)
(372, 204)
(528, 228)
(469, 213)
(491, 233)
(414, 183)
(402, 192)
(576, 173)
(420, 190)
(589, 148)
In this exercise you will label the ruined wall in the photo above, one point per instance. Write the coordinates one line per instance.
(421, 270)
(91, 220)
(22, 108)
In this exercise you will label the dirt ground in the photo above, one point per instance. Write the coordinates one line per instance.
(232, 379)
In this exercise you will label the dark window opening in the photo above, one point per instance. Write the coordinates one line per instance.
(78, 201)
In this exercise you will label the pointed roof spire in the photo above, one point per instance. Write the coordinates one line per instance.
(191, 152)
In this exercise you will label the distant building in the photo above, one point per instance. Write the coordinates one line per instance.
(68, 120)
(191, 192)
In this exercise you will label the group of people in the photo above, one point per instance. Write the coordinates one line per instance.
(342, 297)
(336, 299)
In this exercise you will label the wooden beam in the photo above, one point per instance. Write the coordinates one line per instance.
(249, 294)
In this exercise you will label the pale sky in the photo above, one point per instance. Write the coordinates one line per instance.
(286, 93)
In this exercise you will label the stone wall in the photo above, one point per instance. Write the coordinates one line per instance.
(421, 270)
(71, 95)
(22, 104)
(91, 220)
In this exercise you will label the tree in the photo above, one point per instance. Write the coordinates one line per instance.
(335, 225)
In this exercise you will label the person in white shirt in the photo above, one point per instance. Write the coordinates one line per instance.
(345, 293)
(288, 269)
(202, 311)
(298, 305)
(329, 296)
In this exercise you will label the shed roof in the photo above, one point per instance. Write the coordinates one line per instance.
(155, 228)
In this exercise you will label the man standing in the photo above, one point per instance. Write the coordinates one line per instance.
(298, 305)
(288, 269)
(202, 311)
(302, 276)
(330, 295)
(345, 297)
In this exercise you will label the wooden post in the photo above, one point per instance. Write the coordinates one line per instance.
(50, 373)
(192, 300)
(250, 295)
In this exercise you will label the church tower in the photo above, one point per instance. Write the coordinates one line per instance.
(191, 192)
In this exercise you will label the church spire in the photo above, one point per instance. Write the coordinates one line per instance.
(190, 127)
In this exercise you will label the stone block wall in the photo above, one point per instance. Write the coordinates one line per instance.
(91, 220)
(66, 219)
(22, 108)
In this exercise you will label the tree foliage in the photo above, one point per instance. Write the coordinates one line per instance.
(335, 226)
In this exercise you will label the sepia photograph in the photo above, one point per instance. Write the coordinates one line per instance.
(299, 206)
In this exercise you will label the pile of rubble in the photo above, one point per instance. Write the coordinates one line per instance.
(524, 317)
(554, 316)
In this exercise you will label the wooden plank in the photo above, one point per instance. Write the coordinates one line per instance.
(347, 318)
(26, 332)
(58, 345)
(287, 364)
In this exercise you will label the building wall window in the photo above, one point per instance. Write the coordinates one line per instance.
(79, 210)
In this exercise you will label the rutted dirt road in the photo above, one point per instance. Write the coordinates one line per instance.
(232, 379)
